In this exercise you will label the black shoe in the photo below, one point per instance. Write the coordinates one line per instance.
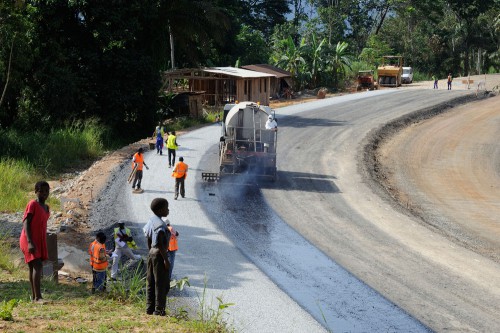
(159, 313)
(133, 187)
(182, 196)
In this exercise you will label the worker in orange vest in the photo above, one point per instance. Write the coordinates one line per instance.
(138, 161)
(173, 246)
(180, 173)
(99, 262)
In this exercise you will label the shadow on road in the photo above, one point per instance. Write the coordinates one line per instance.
(301, 122)
(303, 181)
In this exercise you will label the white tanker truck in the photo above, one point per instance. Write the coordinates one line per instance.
(245, 145)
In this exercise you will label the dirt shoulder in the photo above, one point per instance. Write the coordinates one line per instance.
(444, 169)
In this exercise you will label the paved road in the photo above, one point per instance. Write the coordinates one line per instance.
(321, 193)
(234, 243)
(232, 246)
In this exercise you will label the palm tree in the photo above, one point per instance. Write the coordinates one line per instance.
(289, 57)
(339, 61)
(317, 59)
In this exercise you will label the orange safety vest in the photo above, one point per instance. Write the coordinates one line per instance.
(98, 259)
(139, 159)
(172, 245)
(180, 170)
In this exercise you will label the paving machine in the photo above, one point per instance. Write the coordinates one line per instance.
(390, 71)
(366, 80)
(245, 145)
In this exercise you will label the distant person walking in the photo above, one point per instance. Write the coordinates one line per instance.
(450, 79)
(158, 266)
(33, 240)
(159, 133)
(138, 160)
(180, 173)
(434, 78)
(171, 147)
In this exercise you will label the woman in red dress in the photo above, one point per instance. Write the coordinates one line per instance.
(33, 240)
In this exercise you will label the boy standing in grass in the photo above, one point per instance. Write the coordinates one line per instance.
(98, 261)
(158, 280)
(33, 240)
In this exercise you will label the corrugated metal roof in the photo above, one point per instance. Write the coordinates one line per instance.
(266, 68)
(233, 71)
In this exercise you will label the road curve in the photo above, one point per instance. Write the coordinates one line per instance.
(322, 194)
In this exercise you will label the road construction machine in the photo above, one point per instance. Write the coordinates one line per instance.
(390, 71)
(245, 145)
(366, 80)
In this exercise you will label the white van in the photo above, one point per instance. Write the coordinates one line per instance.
(407, 76)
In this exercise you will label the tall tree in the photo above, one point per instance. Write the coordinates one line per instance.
(16, 57)
(467, 13)
(94, 61)
(191, 29)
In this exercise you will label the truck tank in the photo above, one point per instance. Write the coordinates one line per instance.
(246, 146)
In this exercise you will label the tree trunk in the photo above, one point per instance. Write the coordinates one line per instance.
(8, 71)
(382, 18)
(172, 50)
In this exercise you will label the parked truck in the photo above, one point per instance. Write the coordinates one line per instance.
(245, 145)
(390, 71)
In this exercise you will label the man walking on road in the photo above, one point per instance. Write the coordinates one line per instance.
(171, 147)
(180, 173)
(138, 161)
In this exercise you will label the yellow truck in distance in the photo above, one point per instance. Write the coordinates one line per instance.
(390, 71)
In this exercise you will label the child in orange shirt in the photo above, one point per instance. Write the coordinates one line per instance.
(99, 262)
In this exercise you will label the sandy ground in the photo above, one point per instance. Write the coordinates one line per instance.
(446, 169)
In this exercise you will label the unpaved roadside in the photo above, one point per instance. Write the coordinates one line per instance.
(447, 170)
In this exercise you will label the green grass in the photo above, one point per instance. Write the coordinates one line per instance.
(57, 150)
(72, 307)
(28, 157)
(17, 179)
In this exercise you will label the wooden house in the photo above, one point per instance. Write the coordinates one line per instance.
(220, 85)
(280, 82)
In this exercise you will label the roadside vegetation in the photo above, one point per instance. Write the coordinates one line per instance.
(71, 307)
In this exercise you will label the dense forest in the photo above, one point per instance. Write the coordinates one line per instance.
(74, 60)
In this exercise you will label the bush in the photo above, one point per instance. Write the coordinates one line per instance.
(53, 152)
(17, 178)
